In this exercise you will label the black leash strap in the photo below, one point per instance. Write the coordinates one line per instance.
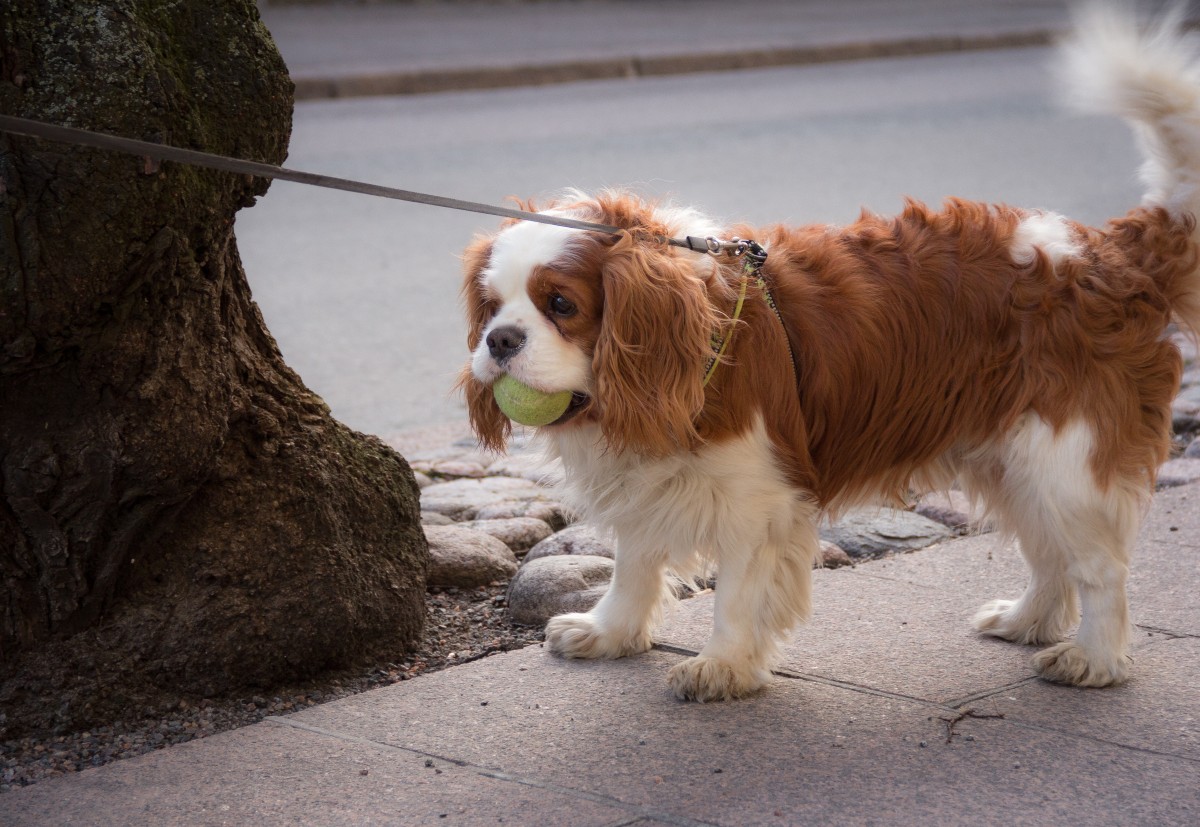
(162, 152)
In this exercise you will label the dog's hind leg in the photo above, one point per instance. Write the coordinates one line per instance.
(1077, 536)
(764, 588)
(1048, 607)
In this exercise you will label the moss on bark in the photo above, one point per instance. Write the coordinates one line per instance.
(178, 512)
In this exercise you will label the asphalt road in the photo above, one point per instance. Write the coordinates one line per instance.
(362, 293)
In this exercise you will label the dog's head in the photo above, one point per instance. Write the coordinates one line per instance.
(623, 321)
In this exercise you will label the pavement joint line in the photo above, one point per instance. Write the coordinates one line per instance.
(643, 813)
(792, 674)
(1034, 679)
(991, 693)
(629, 822)
(1176, 543)
(1082, 736)
(358, 739)
(1170, 633)
(639, 813)
(862, 689)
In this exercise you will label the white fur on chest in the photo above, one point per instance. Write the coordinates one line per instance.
(718, 499)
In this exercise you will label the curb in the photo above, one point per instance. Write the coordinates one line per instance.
(427, 81)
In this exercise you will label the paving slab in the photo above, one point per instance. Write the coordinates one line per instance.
(1061, 779)
(800, 752)
(273, 773)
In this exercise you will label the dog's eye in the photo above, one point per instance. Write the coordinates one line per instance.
(561, 306)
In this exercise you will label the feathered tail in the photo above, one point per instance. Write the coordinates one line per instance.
(1149, 74)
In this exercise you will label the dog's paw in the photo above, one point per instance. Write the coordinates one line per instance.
(1069, 663)
(711, 679)
(578, 635)
(1001, 618)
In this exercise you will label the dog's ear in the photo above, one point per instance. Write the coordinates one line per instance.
(490, 425)
(655, 336)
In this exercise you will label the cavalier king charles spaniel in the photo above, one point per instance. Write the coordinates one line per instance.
(1015, 353)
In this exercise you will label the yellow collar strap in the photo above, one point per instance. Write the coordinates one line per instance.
(721, 343)
(753, 256)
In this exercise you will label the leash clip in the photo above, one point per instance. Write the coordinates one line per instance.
(754, 252)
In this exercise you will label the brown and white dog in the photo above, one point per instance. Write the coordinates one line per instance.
(1016, 353)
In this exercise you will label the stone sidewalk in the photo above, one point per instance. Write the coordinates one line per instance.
(887, 709)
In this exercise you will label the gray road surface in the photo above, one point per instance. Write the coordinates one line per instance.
(362, 294)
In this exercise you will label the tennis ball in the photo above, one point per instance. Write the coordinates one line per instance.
(529, 406)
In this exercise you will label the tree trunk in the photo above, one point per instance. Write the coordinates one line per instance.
(177, 512)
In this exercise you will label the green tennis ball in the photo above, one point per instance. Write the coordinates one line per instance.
(529, 406)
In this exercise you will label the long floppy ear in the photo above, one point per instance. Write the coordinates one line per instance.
(655, 336)
(490, 425)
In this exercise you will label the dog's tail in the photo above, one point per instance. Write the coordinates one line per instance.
(1148, 74)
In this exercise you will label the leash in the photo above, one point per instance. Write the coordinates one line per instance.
(163, 152)
(754, 254)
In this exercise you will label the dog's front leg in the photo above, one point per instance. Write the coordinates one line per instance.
(764, 589)
(620, 624)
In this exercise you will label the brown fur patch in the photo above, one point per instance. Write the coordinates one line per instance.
(917, 338)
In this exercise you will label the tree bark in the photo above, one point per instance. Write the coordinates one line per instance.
(178, 513)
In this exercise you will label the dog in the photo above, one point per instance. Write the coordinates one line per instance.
(1017, 354)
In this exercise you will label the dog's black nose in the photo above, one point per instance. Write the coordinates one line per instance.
(504, 342)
